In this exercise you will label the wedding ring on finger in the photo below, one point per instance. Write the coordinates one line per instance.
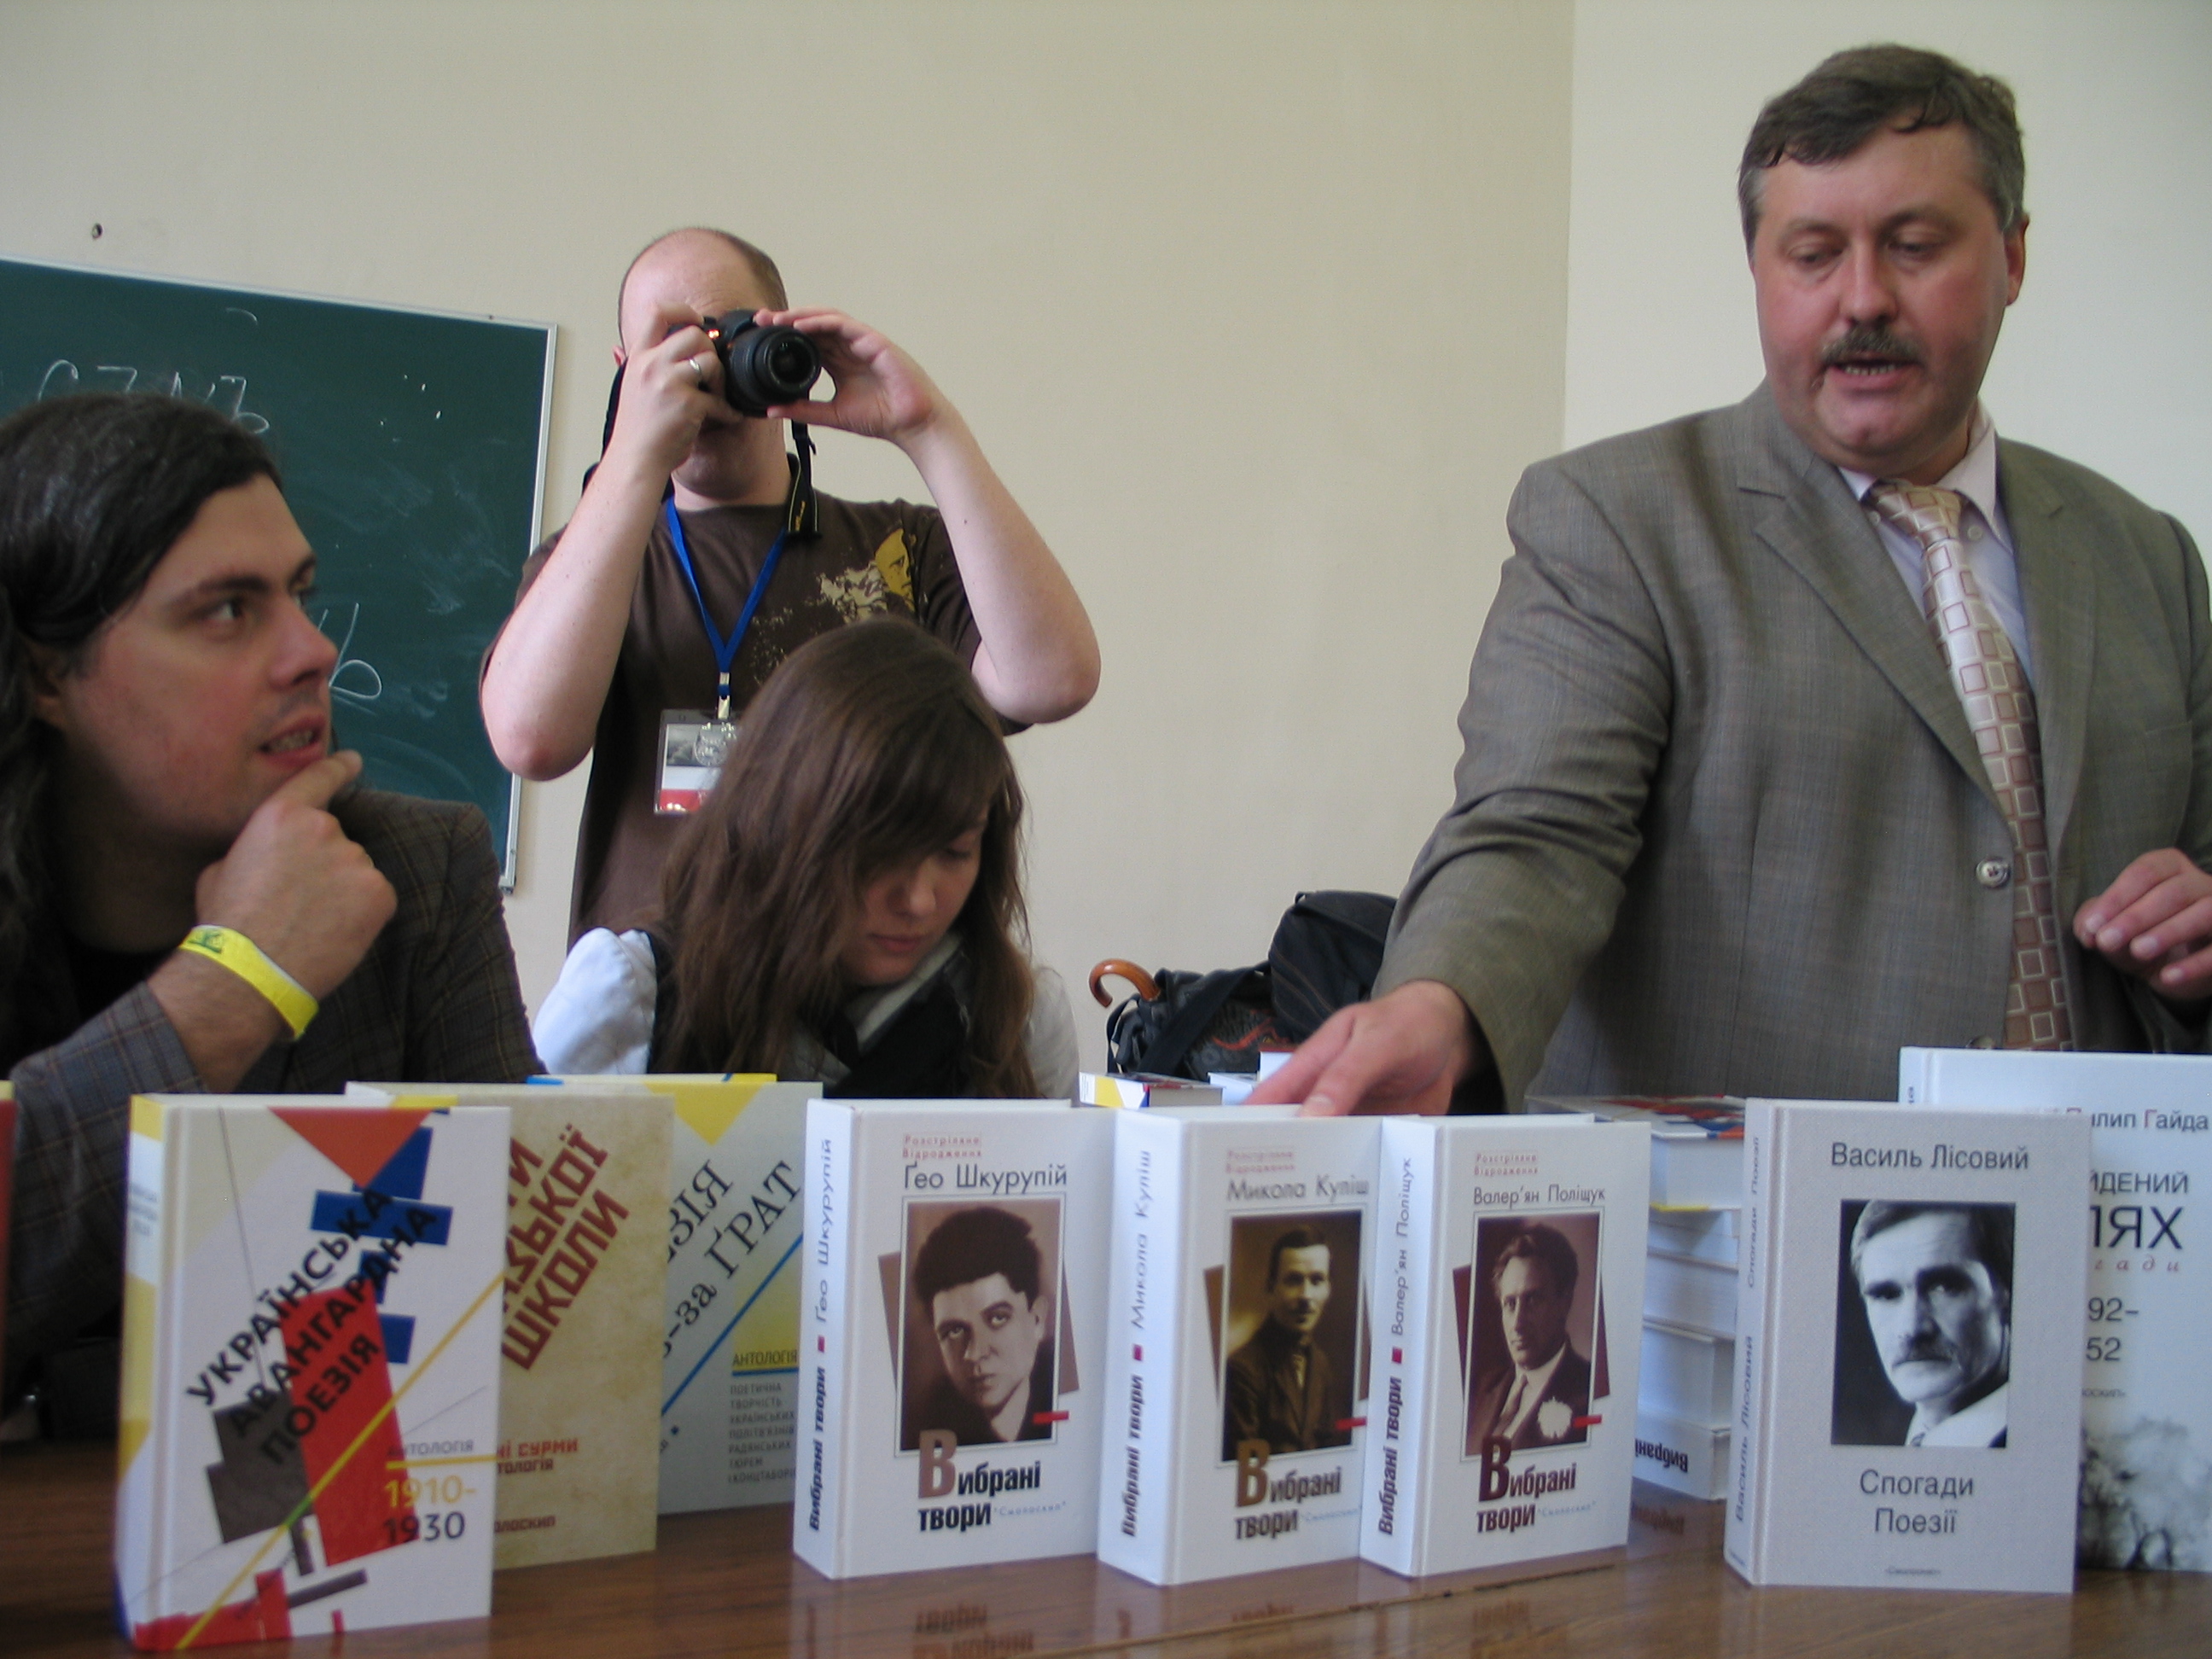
(698, 373)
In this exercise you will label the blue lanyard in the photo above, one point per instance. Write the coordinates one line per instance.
(726, 651)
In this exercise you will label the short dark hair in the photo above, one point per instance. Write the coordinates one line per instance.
(1298, 1238)
(1853, 94)
(94, 489)
(1989, 1227)
(1548, 1248)
(762, 267)
(972, 1244)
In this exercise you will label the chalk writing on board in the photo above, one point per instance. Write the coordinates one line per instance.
(225, 392)
(367, 685)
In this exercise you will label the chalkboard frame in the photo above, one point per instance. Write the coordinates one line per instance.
(325, 465)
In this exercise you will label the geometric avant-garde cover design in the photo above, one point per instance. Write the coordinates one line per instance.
(579, 1339)
(310, 1395)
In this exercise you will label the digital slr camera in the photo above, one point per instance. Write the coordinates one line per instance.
(762, 367)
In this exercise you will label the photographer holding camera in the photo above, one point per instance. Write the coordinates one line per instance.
(699, 557)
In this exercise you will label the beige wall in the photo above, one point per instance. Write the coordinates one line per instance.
(2107, 354)
(1260, 308)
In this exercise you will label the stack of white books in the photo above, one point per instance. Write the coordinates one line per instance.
(1687, 1392)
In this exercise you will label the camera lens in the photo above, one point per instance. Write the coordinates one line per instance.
(762, 367)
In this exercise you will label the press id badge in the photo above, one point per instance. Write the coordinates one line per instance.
(693, 745)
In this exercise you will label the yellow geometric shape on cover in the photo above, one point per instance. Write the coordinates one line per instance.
(710, 1108)
(760, 1341)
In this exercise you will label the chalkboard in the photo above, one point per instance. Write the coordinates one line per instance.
(413, 448)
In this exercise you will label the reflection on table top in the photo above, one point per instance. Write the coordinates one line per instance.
(727, 1584)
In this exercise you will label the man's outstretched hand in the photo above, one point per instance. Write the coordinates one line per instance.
(2155, 923)
(1405, 1052)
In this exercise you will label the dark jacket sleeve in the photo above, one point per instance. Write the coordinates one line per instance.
(72, 1127)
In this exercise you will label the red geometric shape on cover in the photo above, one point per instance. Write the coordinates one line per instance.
(265, 1617)
(342, 1382)
(359, 1140)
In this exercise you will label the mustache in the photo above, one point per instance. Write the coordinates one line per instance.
(1929, 1350)
(1869, 340)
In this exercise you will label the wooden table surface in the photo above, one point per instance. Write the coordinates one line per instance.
(727, 1584)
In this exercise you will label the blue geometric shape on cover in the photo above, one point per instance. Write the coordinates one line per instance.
(402, 1174)
(399, 1335)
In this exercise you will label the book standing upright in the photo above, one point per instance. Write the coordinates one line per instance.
(949, 1404)
(1909, 1337)
(2145, 1495)
(580, 1343)
(310, 1367)
(1238, 1342)
(1506, 1282)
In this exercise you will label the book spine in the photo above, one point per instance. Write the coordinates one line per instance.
(1916, 1076)
(141, 1518)
(1746, 1517)
(827, 1332)
(1394, 1518)
(1135, 1477)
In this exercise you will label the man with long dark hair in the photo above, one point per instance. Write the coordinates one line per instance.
(193, 897)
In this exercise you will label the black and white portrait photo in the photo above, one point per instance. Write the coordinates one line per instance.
(1535, 1330)
(1290, 1330)
(1924, 1324)
(980, 1327)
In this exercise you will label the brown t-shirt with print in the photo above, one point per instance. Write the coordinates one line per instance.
(872, 558)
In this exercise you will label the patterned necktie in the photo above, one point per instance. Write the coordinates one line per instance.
(2000, 708)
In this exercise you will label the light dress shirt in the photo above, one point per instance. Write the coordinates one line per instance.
(1980, 1424)
(1988, 536)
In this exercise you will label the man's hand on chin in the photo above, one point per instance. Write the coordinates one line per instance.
(1404, 1052)
(304, 894)
(2155, 923)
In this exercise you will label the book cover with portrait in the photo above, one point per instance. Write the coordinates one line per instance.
(1507, 1282)
(953, 1282)
(311, 1331)
(2146, 1493)
(1910, 1334)
(1239, 1344)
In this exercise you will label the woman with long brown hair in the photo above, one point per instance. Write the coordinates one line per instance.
(846, 905)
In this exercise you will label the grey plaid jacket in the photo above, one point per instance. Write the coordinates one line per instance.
(435, 1000)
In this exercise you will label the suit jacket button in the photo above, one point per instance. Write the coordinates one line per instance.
(1993, 872)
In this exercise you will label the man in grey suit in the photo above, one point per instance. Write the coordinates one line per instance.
(193, 897)
(1778, 757)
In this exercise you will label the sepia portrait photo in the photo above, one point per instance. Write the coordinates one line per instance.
(1923, 1323)
(979, 1324)
(1291, 1328)
(1535, 1330)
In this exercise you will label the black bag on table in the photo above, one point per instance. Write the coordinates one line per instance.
(1326, 953)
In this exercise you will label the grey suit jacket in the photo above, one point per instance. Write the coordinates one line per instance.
(435, 1000)
(1720, 823)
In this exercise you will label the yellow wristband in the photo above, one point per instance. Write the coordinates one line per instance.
(234, 951)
